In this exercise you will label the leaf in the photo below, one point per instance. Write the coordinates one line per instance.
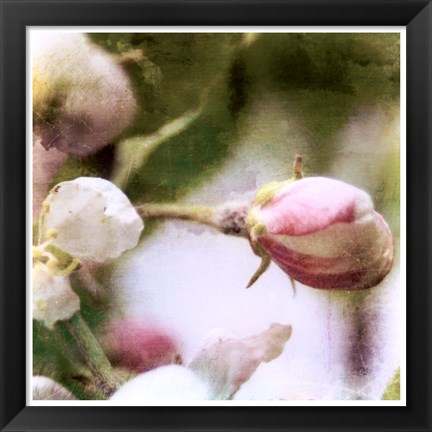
(392, 392)
(133, 152)
(226, 363)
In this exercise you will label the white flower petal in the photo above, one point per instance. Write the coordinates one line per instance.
(53, 298)
(162, 384)
(93, 219)
(45, 388)
(226, 363)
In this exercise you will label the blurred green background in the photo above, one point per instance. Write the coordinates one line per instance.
(320, 78)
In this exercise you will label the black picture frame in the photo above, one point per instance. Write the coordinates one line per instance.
(416, 15)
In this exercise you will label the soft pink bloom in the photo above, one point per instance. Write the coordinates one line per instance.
(82, 98)
(139, 347)
(324, 233)
(226, 362)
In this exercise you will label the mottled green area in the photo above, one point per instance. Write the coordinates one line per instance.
(174, 72)
(133, 152)
(187, 159)
(320, 77)
(55, 356)
(324, 77)
(267, 192)
(364, 65)
(254, 224)
(387, 193)
(98, 165)
(392, 392)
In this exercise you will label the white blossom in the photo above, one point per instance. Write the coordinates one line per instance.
(90, 218)
(165, 383)
(227, 362)
(45, 388)
(53, 298)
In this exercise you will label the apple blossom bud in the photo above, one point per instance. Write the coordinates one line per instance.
(82, 99)
(138, 346)
(322, 232)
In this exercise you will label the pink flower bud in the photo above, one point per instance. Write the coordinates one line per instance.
(323, 233)
(139, 347)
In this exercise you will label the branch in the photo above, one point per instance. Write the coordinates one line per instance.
(228, 219)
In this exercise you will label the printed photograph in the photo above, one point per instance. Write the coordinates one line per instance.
(216, 217)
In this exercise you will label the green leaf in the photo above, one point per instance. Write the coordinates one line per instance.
(392, 392)
(133, 152)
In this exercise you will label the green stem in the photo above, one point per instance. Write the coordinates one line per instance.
(63, 350)
(200, 214)
(93, 354)
(228, 219)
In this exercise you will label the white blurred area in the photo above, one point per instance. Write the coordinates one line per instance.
(191, 279)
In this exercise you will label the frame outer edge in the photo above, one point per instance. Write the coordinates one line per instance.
(12, 28)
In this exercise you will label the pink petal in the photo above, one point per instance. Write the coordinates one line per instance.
(312, 204)
(356, 267)
(139, 346)
(226, 363)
